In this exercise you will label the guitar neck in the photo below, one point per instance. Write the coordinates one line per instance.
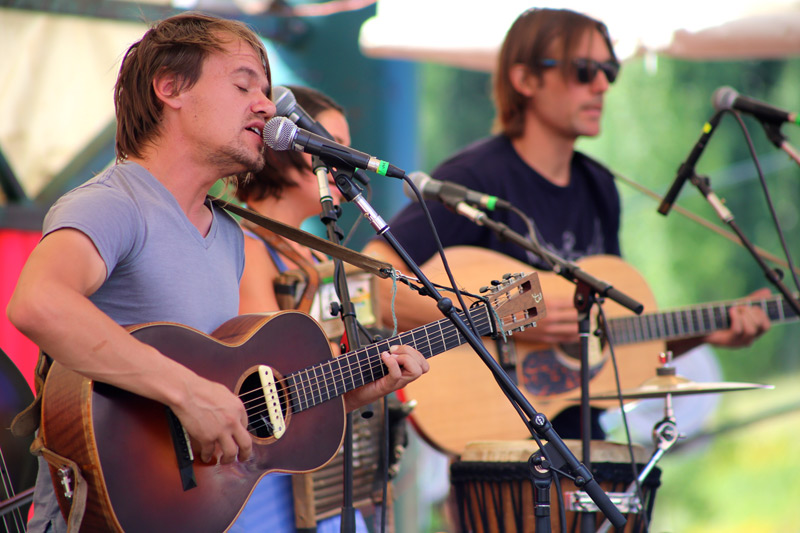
(691, 321)
(325, 381)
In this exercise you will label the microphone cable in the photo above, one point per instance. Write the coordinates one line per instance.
(767, 196)
(440, 249)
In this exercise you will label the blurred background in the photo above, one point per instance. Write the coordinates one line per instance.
(414, 78)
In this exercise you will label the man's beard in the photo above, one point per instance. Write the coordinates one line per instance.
(240, 162)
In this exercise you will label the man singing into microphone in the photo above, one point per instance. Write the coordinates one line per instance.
(141, 242)
(552, 73)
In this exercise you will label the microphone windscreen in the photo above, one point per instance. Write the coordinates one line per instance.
(278, 133)
(723, 98)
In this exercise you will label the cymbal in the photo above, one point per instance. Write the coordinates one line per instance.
(660, 386)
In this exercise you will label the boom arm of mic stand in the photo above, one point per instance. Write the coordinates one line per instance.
(564, 268)
(536, 421)
(726, 216)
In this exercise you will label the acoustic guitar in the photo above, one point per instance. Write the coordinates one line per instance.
(461, 402)
(136, 459)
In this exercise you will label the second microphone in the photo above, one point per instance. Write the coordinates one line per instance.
(281, 134)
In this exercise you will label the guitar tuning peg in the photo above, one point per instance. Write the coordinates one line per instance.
(507, 276)
(484, 289)
(496, 282)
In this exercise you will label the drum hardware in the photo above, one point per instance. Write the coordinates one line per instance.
(665, 435)
(667, 383)
(542, 479)
(662, 386)
(495, 483)
(580, 502)
(575, 501)
(16, 501)
(17, 465)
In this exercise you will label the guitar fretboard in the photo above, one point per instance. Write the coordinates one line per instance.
(320, 383)
(691, 321)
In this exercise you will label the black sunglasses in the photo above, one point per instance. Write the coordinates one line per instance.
(587, 69)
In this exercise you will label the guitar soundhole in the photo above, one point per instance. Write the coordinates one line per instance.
(252, 396)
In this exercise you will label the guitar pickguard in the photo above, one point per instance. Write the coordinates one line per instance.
(544, 373)
(557, 370)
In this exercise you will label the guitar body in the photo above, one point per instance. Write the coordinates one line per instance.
(123, 445)
(459, 401)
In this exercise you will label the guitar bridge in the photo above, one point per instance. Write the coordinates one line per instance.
(183, 451)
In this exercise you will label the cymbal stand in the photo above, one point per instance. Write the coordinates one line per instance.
(665, 435)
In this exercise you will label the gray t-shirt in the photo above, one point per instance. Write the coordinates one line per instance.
(159, 268)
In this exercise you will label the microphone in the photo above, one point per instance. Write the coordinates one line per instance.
(726, 98)
(286, 106)
(450, 193)
(281, 134)
(686, 170)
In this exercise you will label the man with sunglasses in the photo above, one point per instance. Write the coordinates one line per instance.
(553, 71)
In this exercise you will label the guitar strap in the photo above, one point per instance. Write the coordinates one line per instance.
(60, 469)
(310, 274)
(364, 262)
(26, 423)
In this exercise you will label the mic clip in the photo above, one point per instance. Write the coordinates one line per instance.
(455, 201)
(343, 176)
(773, 132)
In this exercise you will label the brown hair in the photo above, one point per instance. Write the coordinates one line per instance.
(272, 180)
(177, 45)
(529, 40)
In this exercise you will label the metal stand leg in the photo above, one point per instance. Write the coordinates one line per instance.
(665, 435)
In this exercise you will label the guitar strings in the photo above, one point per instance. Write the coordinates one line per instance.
(16, 520)
(687, 321)
(314, 388)
(372, 362)
(309, 389)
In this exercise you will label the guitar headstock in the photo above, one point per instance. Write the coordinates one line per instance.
(517, 300)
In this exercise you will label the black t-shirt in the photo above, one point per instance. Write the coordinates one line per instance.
(574, 221)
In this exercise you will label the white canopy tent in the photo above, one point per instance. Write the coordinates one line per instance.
(57, 71)
(468, 33)
(57, 75)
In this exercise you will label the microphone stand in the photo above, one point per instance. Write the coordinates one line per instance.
(704, 186)
(588, 291)
(536, 422)
(329, 217)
